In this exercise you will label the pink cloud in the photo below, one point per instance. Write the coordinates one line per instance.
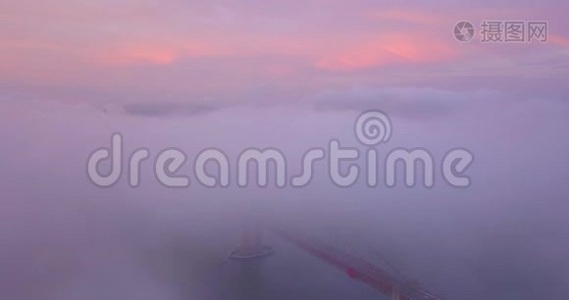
(559, 40)
(387, 50)
(142, 54)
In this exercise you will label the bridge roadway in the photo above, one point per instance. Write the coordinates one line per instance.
(359, 269)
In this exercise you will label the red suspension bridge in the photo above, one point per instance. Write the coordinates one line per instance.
(354, 266)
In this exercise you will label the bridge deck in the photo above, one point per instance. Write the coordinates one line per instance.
(359, 269)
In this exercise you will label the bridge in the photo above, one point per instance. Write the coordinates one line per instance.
(355, 267)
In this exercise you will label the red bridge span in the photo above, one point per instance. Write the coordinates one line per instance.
(359, 269)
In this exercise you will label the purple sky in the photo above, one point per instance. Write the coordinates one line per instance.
(229, 52)
(292, 75)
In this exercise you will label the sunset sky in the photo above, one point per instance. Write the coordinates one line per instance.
(224, 53)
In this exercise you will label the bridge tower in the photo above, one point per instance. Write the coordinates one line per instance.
(251, 244)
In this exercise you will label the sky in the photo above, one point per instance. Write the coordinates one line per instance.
(290, 75)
